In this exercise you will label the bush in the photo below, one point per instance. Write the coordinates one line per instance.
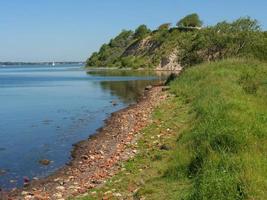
(141, 32)
(191, 20)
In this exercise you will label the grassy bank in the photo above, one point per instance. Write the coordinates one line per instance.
(207, 141)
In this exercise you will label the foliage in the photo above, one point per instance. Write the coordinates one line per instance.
(191, 20)
(240, 38)
(109, 53)
(164, 27)
(141, 32)
(134, 62)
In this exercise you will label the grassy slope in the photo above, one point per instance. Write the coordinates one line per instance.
(214, 136)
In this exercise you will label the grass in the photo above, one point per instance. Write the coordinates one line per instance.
(207, 141)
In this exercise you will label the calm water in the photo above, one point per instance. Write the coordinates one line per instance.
(44, 110)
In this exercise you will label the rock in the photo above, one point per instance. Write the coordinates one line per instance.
(107, 192)
(57, 195)
(60, 188)
(24, 193)
(114, 103)
(2, 172)
(28, 197)
(84, 157)
(149, 87)
(26, 181)
(117, 195)
(44, 162)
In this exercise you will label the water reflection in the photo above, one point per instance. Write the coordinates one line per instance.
(127, 91)
(139, 73)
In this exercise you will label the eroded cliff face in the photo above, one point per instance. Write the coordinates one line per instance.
(170, 63)
(151, 52)
(141, 48)
(148, 48)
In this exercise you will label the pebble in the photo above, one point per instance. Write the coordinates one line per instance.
(2, 172)
(60, 188)
(44, 162)
(23, 193)
(149, 87)
(117, 195)
(28, 197)
(107, 192)
(57, 195)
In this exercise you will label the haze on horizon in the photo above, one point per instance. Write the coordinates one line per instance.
(35, 31)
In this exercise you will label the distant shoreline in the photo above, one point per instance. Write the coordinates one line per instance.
(39, 63)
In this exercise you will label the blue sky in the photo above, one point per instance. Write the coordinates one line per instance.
(65, 30)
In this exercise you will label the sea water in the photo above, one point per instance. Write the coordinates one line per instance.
(44, 110)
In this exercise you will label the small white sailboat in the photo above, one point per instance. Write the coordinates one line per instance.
(53, 64)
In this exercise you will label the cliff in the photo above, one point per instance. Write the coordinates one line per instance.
(172, 48)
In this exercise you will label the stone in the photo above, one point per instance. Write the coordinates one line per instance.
(117, 195)
(114, 103)
(44, 162)
(84, 157)
(2, 172)
(60, 188)
(24, 193)
(28, 197)
(149, 87)
(57, 195)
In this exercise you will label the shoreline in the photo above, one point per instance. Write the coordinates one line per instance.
(130, 69)
(97, 158)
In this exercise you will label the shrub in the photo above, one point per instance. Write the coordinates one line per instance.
(141, 32)
(191, 20)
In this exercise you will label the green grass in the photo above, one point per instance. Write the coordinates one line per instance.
(215, 127)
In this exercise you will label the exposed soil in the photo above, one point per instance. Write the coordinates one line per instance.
(98, 157)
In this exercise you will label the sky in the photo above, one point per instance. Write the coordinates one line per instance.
(70, 30)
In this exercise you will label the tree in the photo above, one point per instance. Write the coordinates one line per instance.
(191, 20)
(246, 24)
(141, 32)
(122, 39)
(164, 27)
